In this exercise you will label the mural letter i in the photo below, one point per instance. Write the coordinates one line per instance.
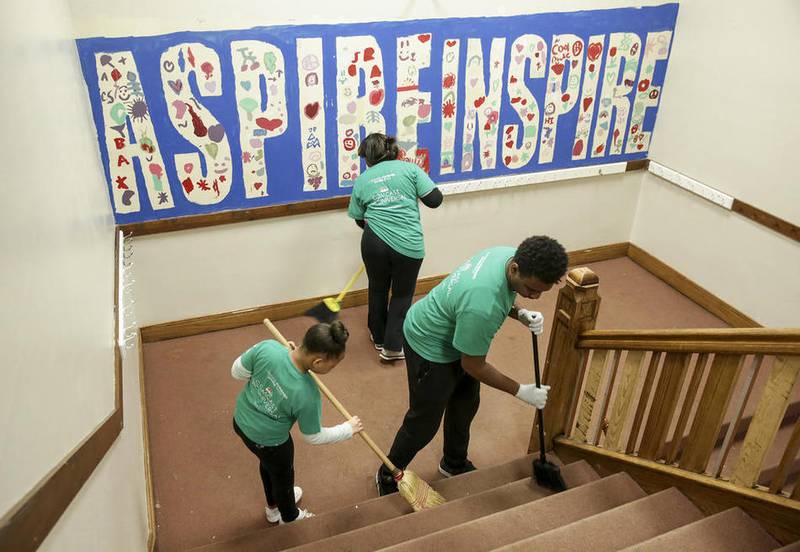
(312, 113)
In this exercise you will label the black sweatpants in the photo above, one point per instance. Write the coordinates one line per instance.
(276, 466)
(434, 390)
(387, 270)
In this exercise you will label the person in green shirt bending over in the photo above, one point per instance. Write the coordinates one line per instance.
(447, 336)
(384, 204)
(279, 392)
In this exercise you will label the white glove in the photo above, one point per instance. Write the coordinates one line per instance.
(536, 396)
(533, 319)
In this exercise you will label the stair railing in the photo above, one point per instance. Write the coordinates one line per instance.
(672, 406)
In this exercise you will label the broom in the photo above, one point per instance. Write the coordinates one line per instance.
(328, 309)
(545, 472)
(413, 488)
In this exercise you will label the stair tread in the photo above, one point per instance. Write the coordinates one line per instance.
(794, 547)
(538, 516)
(464, 510)
(353, 516)
(731, 529)
(619, 527)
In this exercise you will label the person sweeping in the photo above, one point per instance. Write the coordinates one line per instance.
(279, 392)
(447, 337)
(384, 203)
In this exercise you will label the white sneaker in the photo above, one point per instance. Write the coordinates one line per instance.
(303, 515)
(274, 515)
(389, 356)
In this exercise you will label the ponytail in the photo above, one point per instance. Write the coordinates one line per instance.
(326, 339)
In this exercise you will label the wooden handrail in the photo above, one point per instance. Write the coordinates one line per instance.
(781, 341)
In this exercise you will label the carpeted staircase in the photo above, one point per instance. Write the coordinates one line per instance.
(501, 508)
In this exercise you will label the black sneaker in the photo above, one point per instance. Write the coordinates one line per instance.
(385, 482)
(449, 471)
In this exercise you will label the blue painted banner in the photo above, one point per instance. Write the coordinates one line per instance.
(199, 122)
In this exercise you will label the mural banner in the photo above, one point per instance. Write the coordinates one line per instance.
(199, 122)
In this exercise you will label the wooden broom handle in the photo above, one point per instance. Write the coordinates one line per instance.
(339, 406)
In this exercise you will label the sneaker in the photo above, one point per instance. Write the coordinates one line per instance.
(274, 515)
(304, 514)
(449, 471)
(388, 355)
(378, 346)
(385, 482)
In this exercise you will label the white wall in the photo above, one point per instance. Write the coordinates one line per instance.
(238, 266)
(729, 119)
(110, 511)
(57, 273)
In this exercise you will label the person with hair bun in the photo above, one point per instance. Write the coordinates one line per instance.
(279, 392)
(384, 204)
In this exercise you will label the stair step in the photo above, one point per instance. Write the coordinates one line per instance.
(538, 516)
(794, 547)
(354, 516)
(618, 528)
(728, 530)
(460, 511)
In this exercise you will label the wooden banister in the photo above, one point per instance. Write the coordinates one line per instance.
(776, 341)
(576, 312)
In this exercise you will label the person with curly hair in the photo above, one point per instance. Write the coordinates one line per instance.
(447, 337)
(385, 204)
(279, 392)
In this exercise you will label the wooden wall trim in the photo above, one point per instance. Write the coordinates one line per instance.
(148, 463)
(690, 289)
(230, 217)
(766, 219)
(290, 309)
(28, 523)
(778, 514)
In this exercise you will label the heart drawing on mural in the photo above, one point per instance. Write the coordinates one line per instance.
(176, 86)
(311, 110)
(594, 51)
(268, 124)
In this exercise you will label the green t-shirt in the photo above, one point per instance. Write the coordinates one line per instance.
(386, 196)
(276, 396)
(462, 313)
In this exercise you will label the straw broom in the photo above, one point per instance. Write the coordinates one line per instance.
(412, 487)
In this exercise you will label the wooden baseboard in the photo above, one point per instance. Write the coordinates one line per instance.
(778, 514)
(148, 464)
(291, 309)
(690, 289)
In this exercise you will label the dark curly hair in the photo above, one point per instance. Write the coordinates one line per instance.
(378, 147)
(326, 339)
(542, 257)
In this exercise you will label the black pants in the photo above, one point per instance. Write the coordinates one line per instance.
(388, 270)
(276, 466)
(434, 390)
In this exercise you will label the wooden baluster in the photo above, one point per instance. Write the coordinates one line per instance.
(602, 423)
(576, 311)
(786, 461)
(666, 398)
(739, 402)
(594, 375)
(796, 491)
(766, 420)
(624, 399)
(686, 409)
(644, 398)
(722, 377)
(573, 408)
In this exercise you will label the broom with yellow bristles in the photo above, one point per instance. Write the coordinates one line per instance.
(412, 487)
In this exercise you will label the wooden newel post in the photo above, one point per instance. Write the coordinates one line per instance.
(576, 311)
